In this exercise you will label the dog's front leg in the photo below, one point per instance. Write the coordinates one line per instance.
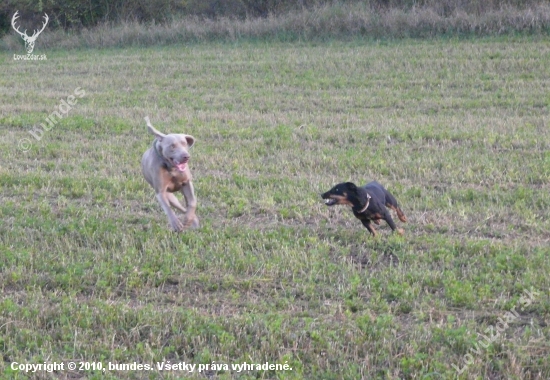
(175, 223)
(366, 223)
(188, 192)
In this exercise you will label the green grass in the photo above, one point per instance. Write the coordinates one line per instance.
(457, 130)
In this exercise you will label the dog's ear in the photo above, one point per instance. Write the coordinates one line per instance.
(351, 186)
(190, 140)
(153, 131)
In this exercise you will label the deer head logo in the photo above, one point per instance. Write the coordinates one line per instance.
(29, 40)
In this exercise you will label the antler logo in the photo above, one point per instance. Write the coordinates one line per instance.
(29, 40)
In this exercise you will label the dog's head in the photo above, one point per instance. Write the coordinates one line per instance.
(173, 147)
(340, 194)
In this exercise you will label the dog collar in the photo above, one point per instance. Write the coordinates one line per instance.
(366, 205)
(165, 162)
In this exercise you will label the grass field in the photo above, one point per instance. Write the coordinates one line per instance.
(457, 130)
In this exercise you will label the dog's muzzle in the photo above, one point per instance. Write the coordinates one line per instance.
(329, 201)
(181, 165)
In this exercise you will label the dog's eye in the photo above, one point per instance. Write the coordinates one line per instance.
(173, 146)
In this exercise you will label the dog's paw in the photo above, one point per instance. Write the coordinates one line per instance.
(195, 224)
(177, 225)
(191, 221)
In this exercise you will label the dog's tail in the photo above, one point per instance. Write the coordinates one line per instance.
(152, 130)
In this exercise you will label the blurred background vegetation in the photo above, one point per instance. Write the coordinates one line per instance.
(78, 14)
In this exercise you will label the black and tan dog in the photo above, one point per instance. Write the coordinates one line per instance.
(368, 203)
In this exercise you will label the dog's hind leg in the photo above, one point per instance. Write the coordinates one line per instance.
(391, 223)
(400, 213)
(391, 202)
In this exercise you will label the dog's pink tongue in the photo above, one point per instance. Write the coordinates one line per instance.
(181, 167)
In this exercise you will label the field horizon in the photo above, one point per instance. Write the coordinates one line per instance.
(456, 129)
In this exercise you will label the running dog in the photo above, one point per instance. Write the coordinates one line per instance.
(368, 203)
(164, 166)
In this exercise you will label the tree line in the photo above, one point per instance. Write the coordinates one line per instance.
(78, 14)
